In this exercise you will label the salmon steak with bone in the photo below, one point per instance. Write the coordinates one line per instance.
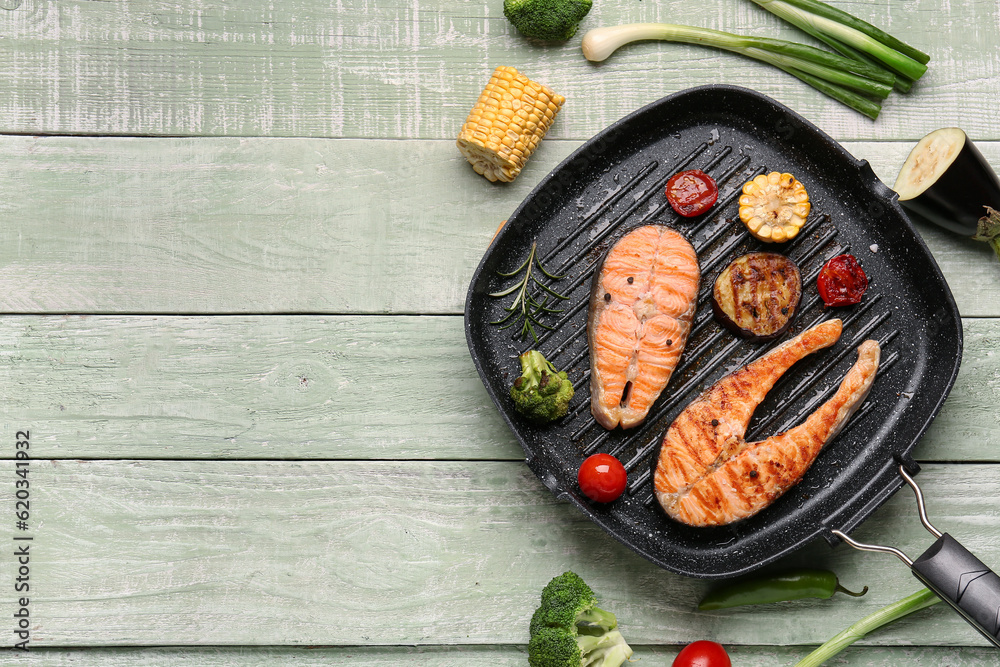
(707, 474)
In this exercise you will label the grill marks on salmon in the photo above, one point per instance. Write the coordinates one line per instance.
(708, 475)
(643, 299)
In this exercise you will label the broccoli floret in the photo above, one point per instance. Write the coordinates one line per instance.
(569, 630)
(546, 20)
(541, 393)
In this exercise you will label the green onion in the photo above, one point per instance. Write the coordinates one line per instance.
(902, 84)
(819, 20)
(867, 65)
(826, 11)
(856, 102)
(846, 79)
(920, 600)
(839, 77)
(827, 64)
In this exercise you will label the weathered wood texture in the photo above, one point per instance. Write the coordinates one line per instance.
(298, 387)
(414, 69)
(281, 387)
(284, 172)
(275, 226)
(401, 553)
(470, 656)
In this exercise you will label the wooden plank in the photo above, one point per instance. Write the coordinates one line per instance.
(149, 225)
(409, 553)
(263, 225)
(278, 387)
(413, 69)
(296, 387)
(970, 413)
(451, 656)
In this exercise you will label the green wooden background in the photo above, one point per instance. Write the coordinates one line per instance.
(235, 241)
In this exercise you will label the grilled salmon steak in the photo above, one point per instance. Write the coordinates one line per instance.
(708, 475)
(644, 296)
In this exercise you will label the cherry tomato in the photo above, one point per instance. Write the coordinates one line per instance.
(602, 478)
(702, 654)
(841, 281)
(691, 192)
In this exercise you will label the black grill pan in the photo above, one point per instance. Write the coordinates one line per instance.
(613, 184)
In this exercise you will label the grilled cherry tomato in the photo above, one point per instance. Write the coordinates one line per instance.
(702, 654)
(691, 192)
(841, 281)
(602, 478)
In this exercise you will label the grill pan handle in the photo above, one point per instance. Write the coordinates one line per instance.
(964, 582)
(952, 572)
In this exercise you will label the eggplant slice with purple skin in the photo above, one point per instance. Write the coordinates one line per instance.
(757, 295)
(946, 181)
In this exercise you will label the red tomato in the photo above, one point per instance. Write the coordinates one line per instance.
(702, 654)
(841, 281)
(602, 478)
(691, 192)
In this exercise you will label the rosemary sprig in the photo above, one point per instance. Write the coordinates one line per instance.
(526, 308)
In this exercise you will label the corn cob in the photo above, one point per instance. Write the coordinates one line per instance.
(774, 207)
(512, 115)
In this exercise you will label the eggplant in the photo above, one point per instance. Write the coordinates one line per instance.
(757, 295)
(946, 181)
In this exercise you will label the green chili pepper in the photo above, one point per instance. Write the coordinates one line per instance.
(790, 585)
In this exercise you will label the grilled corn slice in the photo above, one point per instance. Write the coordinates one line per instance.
(774, 207)
(512, 115)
